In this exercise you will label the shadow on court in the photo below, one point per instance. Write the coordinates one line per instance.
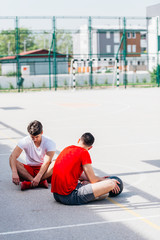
(34, 214)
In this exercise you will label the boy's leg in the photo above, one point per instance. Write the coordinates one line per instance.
(103, 187)
(23, 173)
(49, 171)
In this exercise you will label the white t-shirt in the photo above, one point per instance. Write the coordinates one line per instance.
(35, 155)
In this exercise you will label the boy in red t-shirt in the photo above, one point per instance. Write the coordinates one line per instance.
(73, 180)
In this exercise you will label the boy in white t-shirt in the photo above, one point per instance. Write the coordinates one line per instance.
(39, 152)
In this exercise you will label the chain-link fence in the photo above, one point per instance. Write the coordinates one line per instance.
(66, 52)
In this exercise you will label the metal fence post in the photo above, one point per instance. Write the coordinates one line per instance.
(118, 71)
(54, 53)
(157, 52)
(17, 52)
(49, 56)
(90, 51)
(124, 51)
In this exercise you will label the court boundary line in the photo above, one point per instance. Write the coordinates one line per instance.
(78, 225)
(133, 213)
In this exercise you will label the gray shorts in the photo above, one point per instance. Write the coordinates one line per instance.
(81, 195)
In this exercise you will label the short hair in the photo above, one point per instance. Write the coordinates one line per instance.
(35, 128)
(87, 139)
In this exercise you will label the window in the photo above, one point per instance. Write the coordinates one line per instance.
(143, 49)
(108, 35)
(108, 48)
(116, 48)
(116, 37)
(128, 35)
(131, 63)
(128, 48)
(133, 35)
(133, 48)
(143, 36)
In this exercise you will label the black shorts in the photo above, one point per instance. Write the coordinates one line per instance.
(81, 195)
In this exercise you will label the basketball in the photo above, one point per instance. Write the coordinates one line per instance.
(112, 194)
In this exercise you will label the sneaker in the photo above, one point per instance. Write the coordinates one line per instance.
(26, 185)
(43, 183)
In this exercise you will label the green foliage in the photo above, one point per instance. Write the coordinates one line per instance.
(29, 41)
(106, 81)
(43, 85)
(65, 83)
(85, 83)
(33, 85)
(108, 71)
(96, 82)
(10, 74)
(137, 80)
(11, 85)
(144, 80)
(8, 42)
(153, 74)
(43, 41)
(64, 42)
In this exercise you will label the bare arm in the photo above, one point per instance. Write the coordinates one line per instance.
(88, 170)
(93, 178)
(47, 160)
(12, 160)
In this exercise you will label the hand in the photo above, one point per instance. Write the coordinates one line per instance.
(36, 181)
(15, 178)
(116, 188)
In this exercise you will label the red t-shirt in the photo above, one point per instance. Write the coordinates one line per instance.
(68, 168)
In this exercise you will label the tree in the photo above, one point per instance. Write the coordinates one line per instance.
(64, 42)
(154, 74)
(8, 41)
(29, 41)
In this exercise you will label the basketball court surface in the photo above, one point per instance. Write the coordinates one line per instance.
(126, 126)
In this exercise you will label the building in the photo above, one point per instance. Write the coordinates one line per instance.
(36, 62)
(106, 42)
(153, 15)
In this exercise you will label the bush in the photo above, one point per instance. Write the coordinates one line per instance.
(153, 75)
(65, 83)
(137, 80)
(106, 81)
(43, 85)
(144, 80)
(11, 85)
(85, 83)
(108, 71)
(96, 82)
(11, 74)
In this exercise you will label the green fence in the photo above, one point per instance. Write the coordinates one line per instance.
(42, 51)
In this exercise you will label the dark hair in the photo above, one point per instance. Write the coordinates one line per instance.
(87, 139)
(35, 128)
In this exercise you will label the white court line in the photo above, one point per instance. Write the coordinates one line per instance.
(75, 225)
